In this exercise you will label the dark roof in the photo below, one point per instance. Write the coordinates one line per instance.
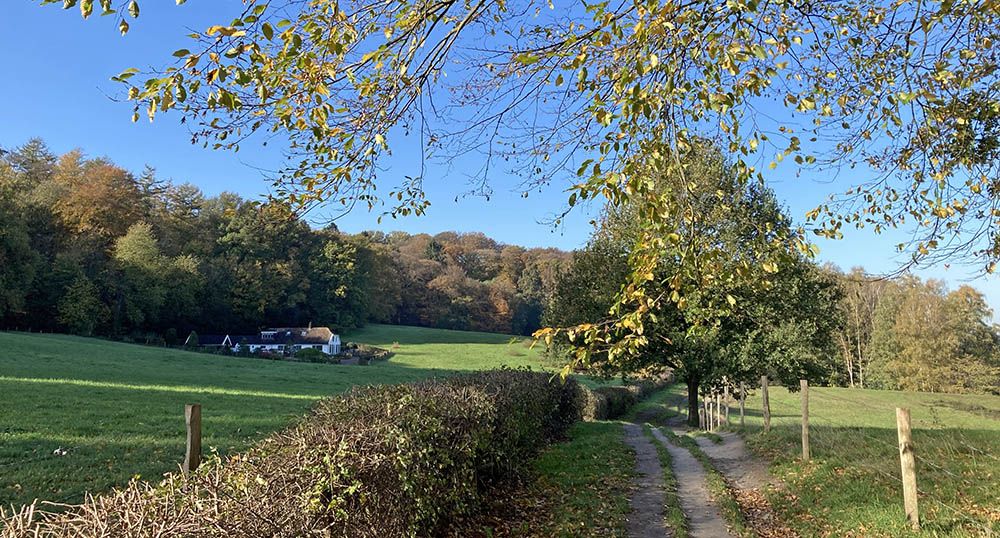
(211, 339)
(287, 336)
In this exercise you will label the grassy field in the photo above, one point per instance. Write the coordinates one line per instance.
(852, 488)
(117, 409)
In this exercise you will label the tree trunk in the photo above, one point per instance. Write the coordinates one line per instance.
(693, 404)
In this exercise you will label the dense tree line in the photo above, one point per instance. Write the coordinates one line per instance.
(88, 247)
(913, 334)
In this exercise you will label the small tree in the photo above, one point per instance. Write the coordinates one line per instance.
(81, 309)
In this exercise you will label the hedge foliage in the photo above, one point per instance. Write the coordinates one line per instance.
(609, 402)
(397, 460)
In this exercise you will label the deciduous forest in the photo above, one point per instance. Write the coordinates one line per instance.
(90, 248)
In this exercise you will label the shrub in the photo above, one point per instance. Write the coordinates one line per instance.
(398, 460)
(610, 402)
(311, 355)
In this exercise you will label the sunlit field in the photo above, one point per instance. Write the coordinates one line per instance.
(852, 486)
(81, 414)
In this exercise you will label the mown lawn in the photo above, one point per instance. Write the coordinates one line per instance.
(117, 409)
(852, 488)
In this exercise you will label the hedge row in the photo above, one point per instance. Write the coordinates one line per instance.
(399, 460)
(609, 402)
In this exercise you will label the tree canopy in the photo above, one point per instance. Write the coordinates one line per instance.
(774, 322)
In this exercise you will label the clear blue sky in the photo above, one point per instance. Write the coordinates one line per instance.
(56, 86)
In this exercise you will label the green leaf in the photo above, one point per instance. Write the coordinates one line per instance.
(526, 59)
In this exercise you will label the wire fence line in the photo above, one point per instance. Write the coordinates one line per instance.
(961, 502)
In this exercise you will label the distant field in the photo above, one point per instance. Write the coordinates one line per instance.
(118, 408)
(852, 487)
(449, 350)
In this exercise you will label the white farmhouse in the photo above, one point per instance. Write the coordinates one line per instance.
(277, 340)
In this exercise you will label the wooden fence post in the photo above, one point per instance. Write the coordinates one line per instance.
(192, 454)
(704, 410)
(717, 422)
(725, 399)
(743, 400)
(718, 410)
(908, 467)
(708, 412)
(804, 386)
(766, 405)
(715, 411)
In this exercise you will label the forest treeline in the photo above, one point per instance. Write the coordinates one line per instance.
(90, 248)
(913, 334)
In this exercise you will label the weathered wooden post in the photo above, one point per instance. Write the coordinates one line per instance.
(804, 386)
(705, 410)
(725, 398)
(743, 401)
(765, 405)
(718, 410)
(712, 418)
(908, 466)
(708, 413)
(192, 454)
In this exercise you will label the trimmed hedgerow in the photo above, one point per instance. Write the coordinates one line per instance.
(609, 402)
(399, 460)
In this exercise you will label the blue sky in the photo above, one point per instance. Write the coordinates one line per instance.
(57, 87)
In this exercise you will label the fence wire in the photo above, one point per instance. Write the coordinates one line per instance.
(884, 449)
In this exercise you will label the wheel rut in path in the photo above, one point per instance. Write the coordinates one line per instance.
(749, 479)
(735, 462)
(704, 518)
(646, 517)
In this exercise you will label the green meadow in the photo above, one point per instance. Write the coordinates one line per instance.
(82, 414)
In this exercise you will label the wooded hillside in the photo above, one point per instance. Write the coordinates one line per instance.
(93, 249)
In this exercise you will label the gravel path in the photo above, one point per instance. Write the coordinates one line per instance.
(646, 517)
(704, 519)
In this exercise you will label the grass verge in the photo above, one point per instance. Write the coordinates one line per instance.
(580, 488)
